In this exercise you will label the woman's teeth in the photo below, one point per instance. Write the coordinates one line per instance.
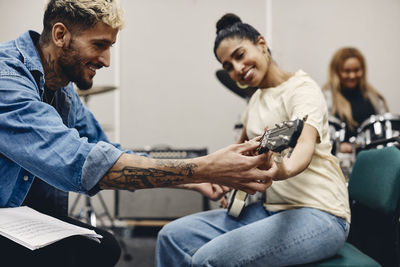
(247, 74)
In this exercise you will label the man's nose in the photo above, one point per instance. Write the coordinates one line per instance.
(105, 58)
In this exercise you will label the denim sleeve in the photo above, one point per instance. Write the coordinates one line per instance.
(100, 159)
(33, 135)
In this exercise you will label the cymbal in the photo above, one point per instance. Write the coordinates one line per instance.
(95, 90)
(243, 91)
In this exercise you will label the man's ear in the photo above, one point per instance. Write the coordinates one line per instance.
(60, 34)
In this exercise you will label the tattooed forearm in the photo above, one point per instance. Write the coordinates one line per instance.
(186, 168)
(172, 173)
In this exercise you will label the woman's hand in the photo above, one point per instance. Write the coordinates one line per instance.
(278, 167)
(212, 191)
(345, 147)
(282, 167)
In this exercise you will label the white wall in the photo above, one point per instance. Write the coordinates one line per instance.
(17, 16)
(306, 33)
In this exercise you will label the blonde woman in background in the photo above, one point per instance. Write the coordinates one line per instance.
(349, 95)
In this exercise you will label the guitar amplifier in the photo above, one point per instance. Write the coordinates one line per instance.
(161, 203)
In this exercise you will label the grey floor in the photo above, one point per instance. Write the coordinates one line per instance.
(138, 245)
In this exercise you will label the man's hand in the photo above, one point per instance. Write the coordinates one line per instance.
(235, 166)
(223, 202)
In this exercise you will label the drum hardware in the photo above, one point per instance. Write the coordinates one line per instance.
(381, 143)
(88, 212)
(93, 91)
(377, 130)
(346, 162)
(337, 132)
(90, 215)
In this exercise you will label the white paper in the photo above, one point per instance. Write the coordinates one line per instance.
(34, 230)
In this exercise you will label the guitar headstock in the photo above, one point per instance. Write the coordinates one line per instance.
(283, 136)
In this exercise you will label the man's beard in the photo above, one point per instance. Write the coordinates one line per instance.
(71, 64)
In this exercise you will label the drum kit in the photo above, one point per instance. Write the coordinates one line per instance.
(375, 132)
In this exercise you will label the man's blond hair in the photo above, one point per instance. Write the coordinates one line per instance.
(79, 15)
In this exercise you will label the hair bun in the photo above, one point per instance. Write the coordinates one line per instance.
(227, 21)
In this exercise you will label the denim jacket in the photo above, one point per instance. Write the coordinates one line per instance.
(63, 146)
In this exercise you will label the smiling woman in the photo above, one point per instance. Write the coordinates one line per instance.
(307, 202)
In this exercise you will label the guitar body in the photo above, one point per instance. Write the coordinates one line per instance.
(283, 136)
(237, 201)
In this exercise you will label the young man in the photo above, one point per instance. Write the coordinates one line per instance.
(51, 144)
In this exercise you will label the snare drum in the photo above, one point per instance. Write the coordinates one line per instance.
(378, 128)
(337, 132)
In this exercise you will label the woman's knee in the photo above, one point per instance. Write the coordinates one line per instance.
(170, 231)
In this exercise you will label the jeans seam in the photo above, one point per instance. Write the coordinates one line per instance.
(270, 251)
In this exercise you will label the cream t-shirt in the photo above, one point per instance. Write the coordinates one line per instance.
(322, 185)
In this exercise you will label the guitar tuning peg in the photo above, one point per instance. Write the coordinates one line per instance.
(277, 125)
(284, 137)
(271, 142)
(290, 152)
(289, 123)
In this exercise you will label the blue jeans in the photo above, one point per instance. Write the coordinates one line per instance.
(258, 238)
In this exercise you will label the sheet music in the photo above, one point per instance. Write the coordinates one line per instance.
(34, 230)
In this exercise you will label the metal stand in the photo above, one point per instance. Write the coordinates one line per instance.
(89, 213)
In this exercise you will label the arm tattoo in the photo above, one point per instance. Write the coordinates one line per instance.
(132, 178)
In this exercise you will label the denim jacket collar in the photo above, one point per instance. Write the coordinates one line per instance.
(25, 44)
